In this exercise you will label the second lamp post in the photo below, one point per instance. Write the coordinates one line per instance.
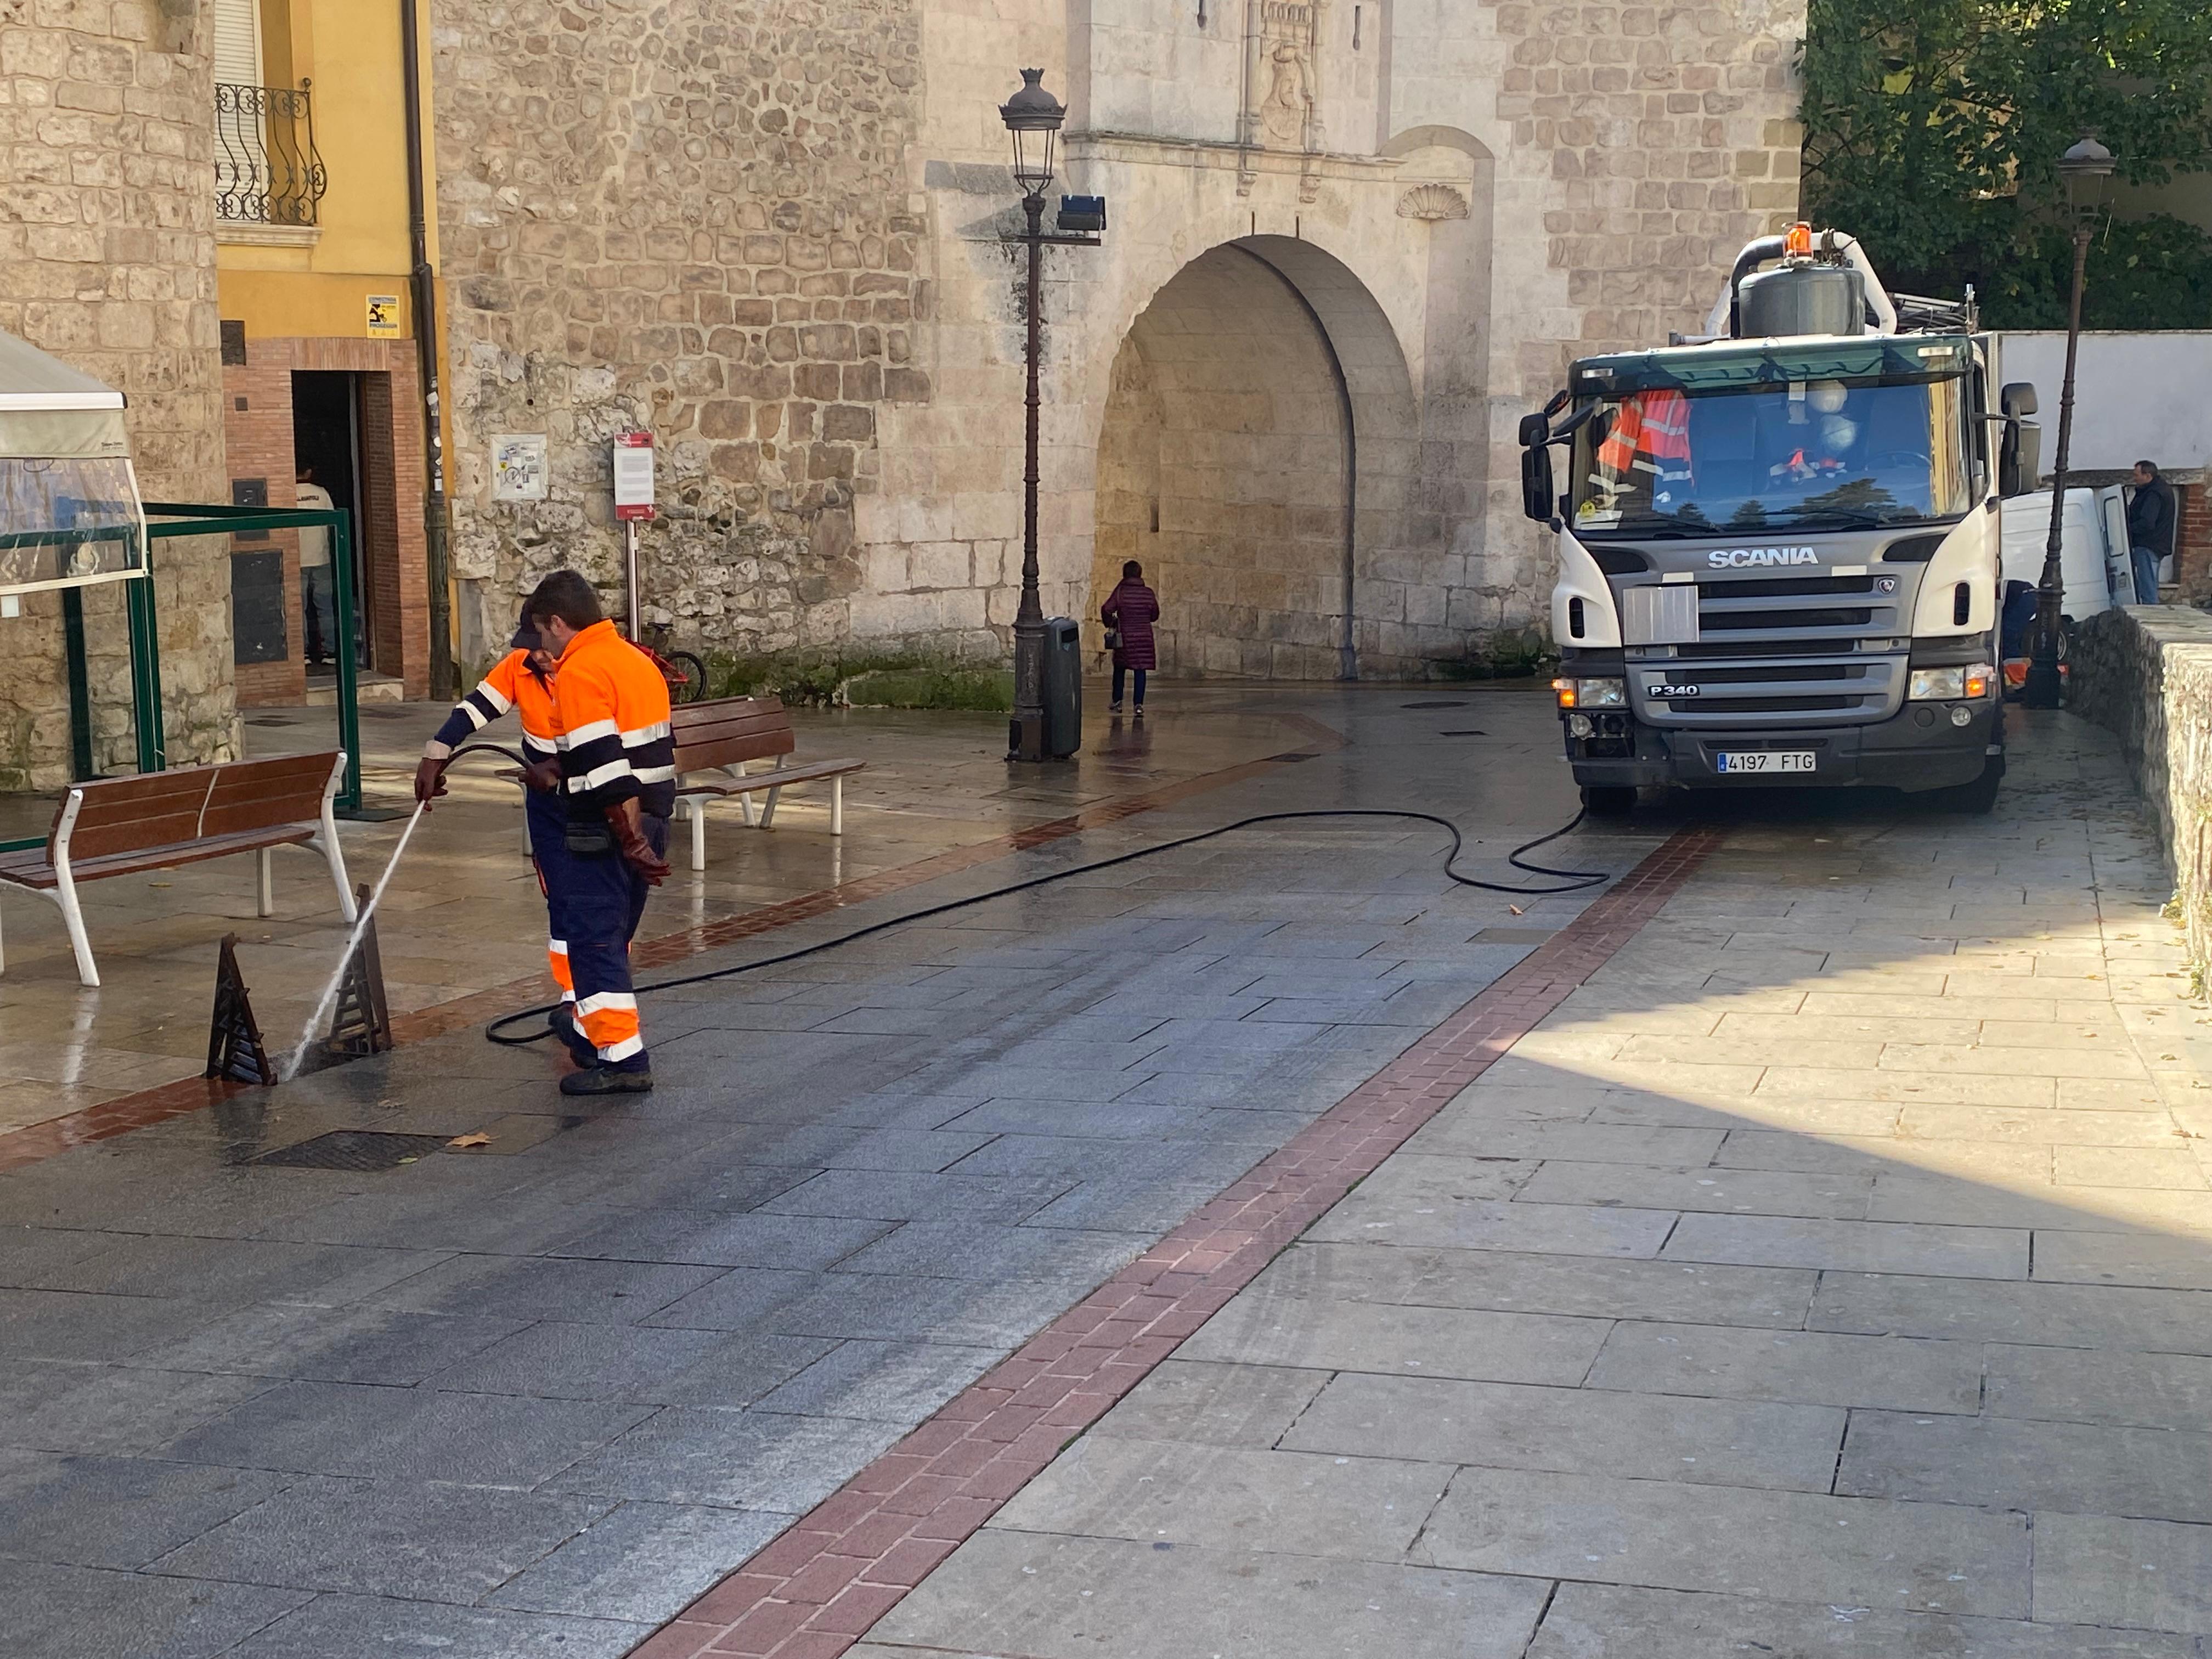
(1033, 116)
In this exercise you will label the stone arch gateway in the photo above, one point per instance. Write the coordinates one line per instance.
(1256, 452)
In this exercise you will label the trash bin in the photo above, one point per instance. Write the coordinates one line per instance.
(1063, 687)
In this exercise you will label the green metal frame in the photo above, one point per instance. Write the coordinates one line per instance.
(169, 518)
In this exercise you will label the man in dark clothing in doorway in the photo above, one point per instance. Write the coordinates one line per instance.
(2150, 529)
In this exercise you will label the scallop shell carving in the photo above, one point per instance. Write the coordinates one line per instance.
(1432, 202)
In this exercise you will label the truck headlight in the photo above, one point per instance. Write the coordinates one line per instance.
(1950, 684)
(1591, 694)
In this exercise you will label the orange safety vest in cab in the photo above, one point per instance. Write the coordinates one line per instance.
(612, 705)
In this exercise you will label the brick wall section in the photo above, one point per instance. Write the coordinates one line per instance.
(1660, 130)
(2192, 542)
(695, 221)
(108, 260)
(389, 540)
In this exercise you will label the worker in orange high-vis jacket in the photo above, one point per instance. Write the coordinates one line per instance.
(522, 681)
(618, 784)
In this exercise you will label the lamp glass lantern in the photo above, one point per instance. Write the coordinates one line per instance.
(2086, 170)
(1033, 116)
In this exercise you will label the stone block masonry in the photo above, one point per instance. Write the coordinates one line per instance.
(107, 261)
(694, 221)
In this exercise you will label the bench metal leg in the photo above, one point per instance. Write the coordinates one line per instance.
(64, 894)
(328, 840)
(264, 882)
(698, 806)
(768, 810)
(837, 806)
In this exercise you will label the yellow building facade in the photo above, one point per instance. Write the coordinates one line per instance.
(323, 371)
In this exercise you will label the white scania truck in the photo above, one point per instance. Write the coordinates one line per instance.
(1778, 546)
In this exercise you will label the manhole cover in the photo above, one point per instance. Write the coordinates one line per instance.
(354, 1149)
(1433, 705)
(1467, 731)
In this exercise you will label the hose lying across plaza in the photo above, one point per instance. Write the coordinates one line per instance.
(1573, 881)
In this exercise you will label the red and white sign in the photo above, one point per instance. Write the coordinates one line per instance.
(634, 475)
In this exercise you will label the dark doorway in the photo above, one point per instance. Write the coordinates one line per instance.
(326, 438)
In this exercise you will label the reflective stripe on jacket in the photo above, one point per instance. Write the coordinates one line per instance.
(612, 705)
(510, 684)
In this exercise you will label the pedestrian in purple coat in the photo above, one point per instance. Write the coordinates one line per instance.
(1129, 612)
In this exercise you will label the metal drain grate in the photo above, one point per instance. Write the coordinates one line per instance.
(1465, 731)
(271, 720)
(1433, 705)
(354, 1149)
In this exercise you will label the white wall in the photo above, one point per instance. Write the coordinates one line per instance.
(2136, 396)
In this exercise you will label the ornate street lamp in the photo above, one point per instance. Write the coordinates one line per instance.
(1033, 117)
(2087, 172)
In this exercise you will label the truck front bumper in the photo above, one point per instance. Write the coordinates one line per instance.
(1919, 749)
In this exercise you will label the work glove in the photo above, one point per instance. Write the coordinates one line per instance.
(625, 819)
(544, 777)
(429, 780)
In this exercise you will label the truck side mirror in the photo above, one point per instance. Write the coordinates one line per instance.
(2018, 398)
(1537, 498)
(1535, 429)
(2019, 457)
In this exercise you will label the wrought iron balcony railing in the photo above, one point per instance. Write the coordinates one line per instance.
(266, 169)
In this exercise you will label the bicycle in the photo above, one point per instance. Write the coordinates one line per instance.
(686, 674)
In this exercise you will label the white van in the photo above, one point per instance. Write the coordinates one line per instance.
(2093, 548)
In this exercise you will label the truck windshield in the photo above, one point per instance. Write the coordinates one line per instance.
(1805, 454)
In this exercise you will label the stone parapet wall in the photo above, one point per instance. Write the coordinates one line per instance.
(107, 261)
(2146, 672)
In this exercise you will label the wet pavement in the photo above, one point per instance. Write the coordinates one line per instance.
(534, 1397)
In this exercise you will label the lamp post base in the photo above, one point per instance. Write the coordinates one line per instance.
(2044, 686)
(1025, 732)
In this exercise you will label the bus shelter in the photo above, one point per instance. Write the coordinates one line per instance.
(71, 518)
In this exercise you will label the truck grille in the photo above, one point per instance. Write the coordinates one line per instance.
(1811, 650)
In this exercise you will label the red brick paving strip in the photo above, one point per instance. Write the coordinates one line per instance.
(40, 1141)
(817, 1588)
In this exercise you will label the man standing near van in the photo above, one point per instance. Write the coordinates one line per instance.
(2150, 529)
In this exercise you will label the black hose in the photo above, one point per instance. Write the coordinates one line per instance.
(1575, 882)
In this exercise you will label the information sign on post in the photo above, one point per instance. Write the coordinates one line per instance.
(633, 506)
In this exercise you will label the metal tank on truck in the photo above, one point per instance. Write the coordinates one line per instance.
(1779, 544)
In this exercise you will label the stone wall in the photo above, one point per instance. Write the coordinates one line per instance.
(2146, 672)
(695, 220)
(107, 261)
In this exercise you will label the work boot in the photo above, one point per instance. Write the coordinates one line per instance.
(563, 1020)
(607, 1081)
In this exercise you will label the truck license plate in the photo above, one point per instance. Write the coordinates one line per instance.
(1765, 760)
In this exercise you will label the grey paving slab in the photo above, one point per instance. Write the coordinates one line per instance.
(1469, 1131)
(2148, 1390)
(641, 1562)
(2064, 1316)
(1851, 1246)
(2006, 1462)
(540, 1288)
(710, 1238)
(988, 1313)
(348, 1626)
(1734, 1191)
(2106, 1569)
(1579, 1430)
(421, 1541)
(1774, 1545)
(559, 1361)
(1907, 1373)
(331, 1344)
(1128, 1119)
(80, 1613)
(1331, 1334)
(72, 1325)
(1213, 1405)
(1054, 1598)
(749, 1459)
(115, 1512)
(1609, 1621)
(1283, 1502)
(887, 1382)
(887, 1195)
(2140, 1259)
(1426, 1202)
(1138, 1203)
(336, 1428)
(1692, 1292)
(52, 1406)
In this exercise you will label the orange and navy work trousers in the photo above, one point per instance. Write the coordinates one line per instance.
(549, 850)
(601, 909)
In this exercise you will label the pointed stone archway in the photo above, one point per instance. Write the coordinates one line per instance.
(1256, 456)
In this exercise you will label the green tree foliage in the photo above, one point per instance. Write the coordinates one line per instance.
(1932, 129)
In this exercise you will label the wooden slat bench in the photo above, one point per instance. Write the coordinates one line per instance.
(122, 826)
(716, 741)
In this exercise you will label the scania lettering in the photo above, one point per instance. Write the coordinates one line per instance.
(1778, 541)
